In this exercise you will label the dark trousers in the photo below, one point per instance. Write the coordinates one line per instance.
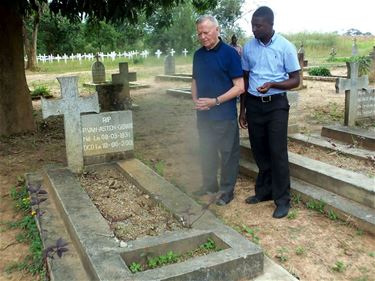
(268, 131)
(219, 145)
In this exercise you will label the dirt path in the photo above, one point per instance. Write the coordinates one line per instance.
(310, 246)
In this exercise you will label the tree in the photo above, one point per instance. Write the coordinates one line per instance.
(16, 114)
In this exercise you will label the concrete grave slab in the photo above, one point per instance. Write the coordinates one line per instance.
(357, 136)
(103, 259)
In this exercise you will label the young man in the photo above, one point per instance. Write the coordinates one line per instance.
(217, 81)
(271, 67)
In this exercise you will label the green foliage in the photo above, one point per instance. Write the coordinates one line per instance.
(364, 64)
(34, 261)
(251, 232)
(159, 167)
(209, 245)
(317, 205)
(332, 215)
(300, 250)
(339, 266)
(41, 91)
(135, 267)
(282, 254)
(296, 198)
(372, 254)
(292, 214)
(319, 71)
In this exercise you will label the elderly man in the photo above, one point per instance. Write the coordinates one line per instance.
(217, 81)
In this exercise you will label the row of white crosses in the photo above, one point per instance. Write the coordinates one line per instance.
(112, 55)
(171, 52)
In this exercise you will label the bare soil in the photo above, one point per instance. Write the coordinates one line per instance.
(310, 246)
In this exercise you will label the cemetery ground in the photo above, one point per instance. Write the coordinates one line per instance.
(309, 244)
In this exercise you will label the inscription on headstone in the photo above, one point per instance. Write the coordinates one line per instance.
(107, 132)
(366, 103)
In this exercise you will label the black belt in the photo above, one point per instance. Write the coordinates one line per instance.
(268, 98)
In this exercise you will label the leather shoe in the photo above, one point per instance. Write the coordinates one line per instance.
(281, 211)
(254, 199)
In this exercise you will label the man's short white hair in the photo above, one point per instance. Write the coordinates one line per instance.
(205, 18)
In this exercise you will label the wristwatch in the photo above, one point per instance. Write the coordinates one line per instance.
(217, 101)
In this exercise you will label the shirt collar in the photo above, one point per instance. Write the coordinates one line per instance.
(217, 46)
(273, 38)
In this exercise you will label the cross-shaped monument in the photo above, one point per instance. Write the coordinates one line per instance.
(158, 53)
(351, 86)
(185, 52)
(71, 105)
(172, 52)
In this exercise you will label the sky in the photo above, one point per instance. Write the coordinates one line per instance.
(292, 16)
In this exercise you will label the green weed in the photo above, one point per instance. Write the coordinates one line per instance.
(300, 250)
(251, 232)
(281, 254)
(135, 267)
(339, 266)
(332, 215)
(41, 91)
(317, 205)
(292, 214)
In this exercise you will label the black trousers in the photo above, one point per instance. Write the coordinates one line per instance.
(268, 132)
(219, 147)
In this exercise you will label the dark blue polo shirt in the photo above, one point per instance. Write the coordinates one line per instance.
(213, 71)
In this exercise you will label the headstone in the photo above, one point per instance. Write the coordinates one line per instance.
(172, 52)
(71, 105)
(293, 112)
(107, 136)
(301, 59)
(352, 86)
(185, 52)
(116, 95)
(98, 71)
(354, 47)
(169, 65)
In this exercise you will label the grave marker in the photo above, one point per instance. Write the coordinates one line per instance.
(351, 86)
(71, 105)
(158, 53)
(98, 71)
(169, 65)
(354, 47)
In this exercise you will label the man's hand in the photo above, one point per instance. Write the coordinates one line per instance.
(204, 103)
(242, 120)
(264, 88)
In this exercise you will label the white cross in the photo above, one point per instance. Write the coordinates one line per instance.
(65, 57)
(172, 52)
(185, 52)
(158, 53)
(71, 105)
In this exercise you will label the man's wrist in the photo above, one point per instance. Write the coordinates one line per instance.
(217, 102)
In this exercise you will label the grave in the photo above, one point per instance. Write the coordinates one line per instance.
(359, 105)
(170, 72)
(301, 59)
(100, 255)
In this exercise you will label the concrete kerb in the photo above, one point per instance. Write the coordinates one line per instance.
(103, 259)
(348, 210)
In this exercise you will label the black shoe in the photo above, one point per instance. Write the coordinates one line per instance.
(254, 199)
(281, 211)
(224, 200)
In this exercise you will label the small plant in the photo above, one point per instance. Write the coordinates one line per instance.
(319, 71)
(296, 199)
(135, 267)
(292, 214)
(372, 254)
(332, 215)
(209, 245)
(251, 232)
(159, 167)
(281, 254)
(316, 205)
(41, 91)
(300, 250)
(339, 266)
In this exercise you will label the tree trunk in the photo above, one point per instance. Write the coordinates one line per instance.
(30, 47)
(16, 111)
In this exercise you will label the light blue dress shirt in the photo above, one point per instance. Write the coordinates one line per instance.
(269, 63)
